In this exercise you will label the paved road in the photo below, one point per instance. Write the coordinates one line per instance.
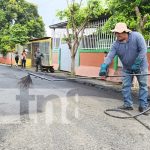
(64, 115)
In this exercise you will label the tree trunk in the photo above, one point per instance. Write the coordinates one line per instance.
(73, 54)
(139, 19)
(73, 65)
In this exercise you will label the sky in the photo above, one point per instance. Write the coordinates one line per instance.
(47, 9)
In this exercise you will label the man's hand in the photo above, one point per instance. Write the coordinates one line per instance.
(42, 55)
(136, 66)
(103, 70)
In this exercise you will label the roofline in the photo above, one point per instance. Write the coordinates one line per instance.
(62, 25)
(36, 39)
(59, 25)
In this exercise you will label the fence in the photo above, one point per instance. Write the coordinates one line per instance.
(94, 38)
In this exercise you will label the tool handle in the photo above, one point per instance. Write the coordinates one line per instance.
(146, 74)
(41, 77)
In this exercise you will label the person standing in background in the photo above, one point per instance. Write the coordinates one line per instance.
(23, 59)
(16, 58)
(38, 59)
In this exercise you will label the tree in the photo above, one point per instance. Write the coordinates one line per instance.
(134, 12)
(78, 17)
(19, 22)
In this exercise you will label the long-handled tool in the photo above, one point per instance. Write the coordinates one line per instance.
(26, 81)
(139, 74)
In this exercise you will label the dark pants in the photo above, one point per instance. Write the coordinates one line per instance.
(16, 60)
(23, 63)
(37, 64)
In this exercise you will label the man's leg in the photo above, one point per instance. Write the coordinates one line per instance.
(126, 89)
(17, 62)
(143, 91)
(36, 66)
(24, 63)
(40, 63)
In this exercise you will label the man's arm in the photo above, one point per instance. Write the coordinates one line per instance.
(110, 55)
(141, 46)
(107, 61)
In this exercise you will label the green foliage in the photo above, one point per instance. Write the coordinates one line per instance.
(134, 12)
(19, 22)
(35, 29)
(76, 15)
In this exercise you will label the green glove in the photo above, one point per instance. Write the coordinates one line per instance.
(103, 70)
(136, 66)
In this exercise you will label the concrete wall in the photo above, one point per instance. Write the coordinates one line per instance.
(8, 59)
(55, 60)
(90, 64)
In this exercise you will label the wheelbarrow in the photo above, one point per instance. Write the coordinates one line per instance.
(47, 68)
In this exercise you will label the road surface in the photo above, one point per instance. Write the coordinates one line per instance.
(64, 115)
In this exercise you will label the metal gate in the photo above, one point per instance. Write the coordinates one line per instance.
(65, 58)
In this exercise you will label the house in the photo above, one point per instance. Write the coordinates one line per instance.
(92, 49)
